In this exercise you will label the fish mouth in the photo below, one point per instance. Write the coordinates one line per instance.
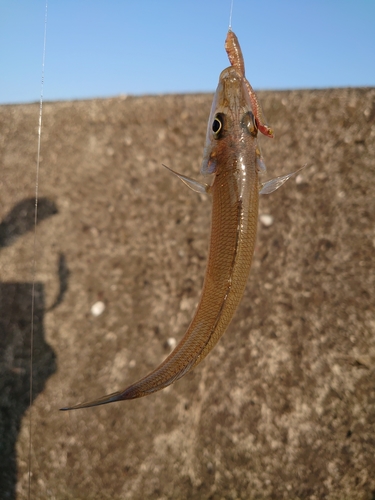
(232, 95)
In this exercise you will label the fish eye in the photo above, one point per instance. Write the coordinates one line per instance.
(217, 125)
(250, 124)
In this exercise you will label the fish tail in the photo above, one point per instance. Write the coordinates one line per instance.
(109, 398)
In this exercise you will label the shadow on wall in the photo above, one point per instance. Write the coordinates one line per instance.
(15, 345)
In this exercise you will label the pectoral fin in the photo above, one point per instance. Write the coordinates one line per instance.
(271, 186)
(196, 186)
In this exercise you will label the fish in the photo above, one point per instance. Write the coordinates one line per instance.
(232, 164)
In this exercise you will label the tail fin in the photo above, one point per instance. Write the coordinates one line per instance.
(110, 398)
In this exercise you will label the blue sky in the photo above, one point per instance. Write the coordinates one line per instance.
(111, 47)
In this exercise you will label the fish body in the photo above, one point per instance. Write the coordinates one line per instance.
(232, 162)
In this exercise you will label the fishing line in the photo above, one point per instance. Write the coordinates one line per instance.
(34, 249)
(230, 15)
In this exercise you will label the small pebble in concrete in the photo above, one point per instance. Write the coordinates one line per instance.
(98, 308)
(171, 342)
(300, 179)
(266, 220)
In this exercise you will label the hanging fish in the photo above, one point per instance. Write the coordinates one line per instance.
(232, 161)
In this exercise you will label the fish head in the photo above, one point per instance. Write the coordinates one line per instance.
(231, 123)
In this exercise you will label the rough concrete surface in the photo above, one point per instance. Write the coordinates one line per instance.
(284, 406)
